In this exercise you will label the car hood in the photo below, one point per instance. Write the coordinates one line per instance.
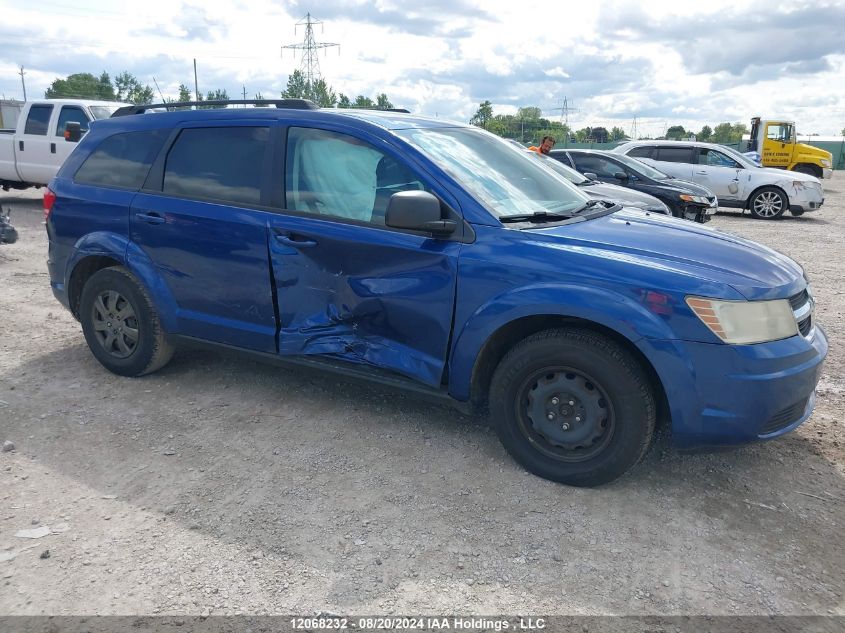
(704, 259)
(628, 197)
(790, 175)
(675, 185)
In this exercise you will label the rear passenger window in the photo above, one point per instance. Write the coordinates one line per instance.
(640, 152)
(122, 160)
(38, 119)
(218, 163)
(673, 154)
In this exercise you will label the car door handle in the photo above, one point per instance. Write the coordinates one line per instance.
(289, 240)
(151, 218)
(52, 148)
(20, 146)
(701, 172)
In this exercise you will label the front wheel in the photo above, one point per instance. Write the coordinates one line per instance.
(121, 325)
(768, 204)
(573, 406)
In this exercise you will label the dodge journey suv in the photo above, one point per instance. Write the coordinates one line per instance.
(429, 255)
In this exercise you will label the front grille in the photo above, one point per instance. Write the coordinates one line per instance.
(784, 417)
(805, 326)
(796, 301)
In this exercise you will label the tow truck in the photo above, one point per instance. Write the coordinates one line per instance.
(774, 142)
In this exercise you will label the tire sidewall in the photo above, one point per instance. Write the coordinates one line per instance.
(121, 282)
(633, 414)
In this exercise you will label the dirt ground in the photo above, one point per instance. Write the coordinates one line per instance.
(224, 486)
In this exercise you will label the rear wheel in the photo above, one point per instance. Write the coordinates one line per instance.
(768, 203)
(121, 325)
(572, 406)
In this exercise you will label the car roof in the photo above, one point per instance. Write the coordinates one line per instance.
(385, 119)
(671, 143)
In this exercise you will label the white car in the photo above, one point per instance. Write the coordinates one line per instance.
(766, 192)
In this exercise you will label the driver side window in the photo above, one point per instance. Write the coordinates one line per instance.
(599, 166)
(341, 176)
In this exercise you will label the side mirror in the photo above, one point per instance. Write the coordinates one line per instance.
(73, 131)
(591, 175)
(417, 211)
(620, 175)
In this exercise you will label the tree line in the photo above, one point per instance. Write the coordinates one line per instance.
(126, 87)
(529, 126)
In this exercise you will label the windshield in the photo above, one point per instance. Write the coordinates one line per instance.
(556, 166)
(646, 170)
(742, 160)
(103, 112)
(505, 181)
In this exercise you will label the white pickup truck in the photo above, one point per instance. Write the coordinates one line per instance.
(32, 154)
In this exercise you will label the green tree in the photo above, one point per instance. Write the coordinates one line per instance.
(383, 102)
(185, 93)
(676, 133)
(363, 102)
(617, 134)
(217, 95)
(843, 131)
(297, 87)
(600, 134)
(343, 101)
(531, 113)
(722, 133)
(81, 86)
(737, 130)
(323, 95)
(483, 115)
(128, 88)
(705, 134)
(584, 135)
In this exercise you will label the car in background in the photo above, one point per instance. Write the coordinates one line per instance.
(604, 191)
(766, 192)
(686, 199)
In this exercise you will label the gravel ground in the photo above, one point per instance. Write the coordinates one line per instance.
(220, 485)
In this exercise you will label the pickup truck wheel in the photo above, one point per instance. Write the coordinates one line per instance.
(572, 406)
(768, 204)
(121, 325)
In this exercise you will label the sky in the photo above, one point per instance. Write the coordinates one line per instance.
(612, 63)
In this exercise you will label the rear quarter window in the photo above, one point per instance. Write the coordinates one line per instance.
(122, 160)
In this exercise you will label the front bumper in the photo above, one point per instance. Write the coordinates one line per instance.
(806, 199)
(728, 395)
(827, 172)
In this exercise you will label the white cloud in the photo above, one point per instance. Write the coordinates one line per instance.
(663, 62)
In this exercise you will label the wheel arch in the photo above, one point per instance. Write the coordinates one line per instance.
(81, 273)
(509, 334)
(757, 190)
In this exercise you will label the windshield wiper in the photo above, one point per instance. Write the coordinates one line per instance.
(608, 204)
(539, 216)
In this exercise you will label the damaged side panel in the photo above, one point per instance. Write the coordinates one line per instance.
(364, 294)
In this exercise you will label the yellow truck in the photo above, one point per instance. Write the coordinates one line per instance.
(774, 142)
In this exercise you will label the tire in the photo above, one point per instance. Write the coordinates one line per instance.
(600, 396)
(810, 170)
(768, 203)
(121, 325)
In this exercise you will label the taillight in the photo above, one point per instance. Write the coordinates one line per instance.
(49, 201)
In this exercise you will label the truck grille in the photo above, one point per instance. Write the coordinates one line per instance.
(784, 417)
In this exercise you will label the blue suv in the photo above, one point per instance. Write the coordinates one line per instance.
(434, 256)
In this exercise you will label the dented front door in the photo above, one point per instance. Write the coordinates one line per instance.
(346, 285)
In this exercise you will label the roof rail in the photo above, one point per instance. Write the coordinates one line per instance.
(293, 104)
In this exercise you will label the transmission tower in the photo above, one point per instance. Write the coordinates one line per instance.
(309, 64)
(634, 129)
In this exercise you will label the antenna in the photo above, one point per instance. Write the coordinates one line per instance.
(309, 63)
(159, 89)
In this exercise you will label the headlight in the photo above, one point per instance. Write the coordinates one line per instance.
(696, 199)
(746, 322)
(825, 162)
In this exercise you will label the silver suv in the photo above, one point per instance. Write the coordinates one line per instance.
(734, 178)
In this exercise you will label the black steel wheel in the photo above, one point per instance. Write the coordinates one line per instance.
(121, 325)
(573, 406)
